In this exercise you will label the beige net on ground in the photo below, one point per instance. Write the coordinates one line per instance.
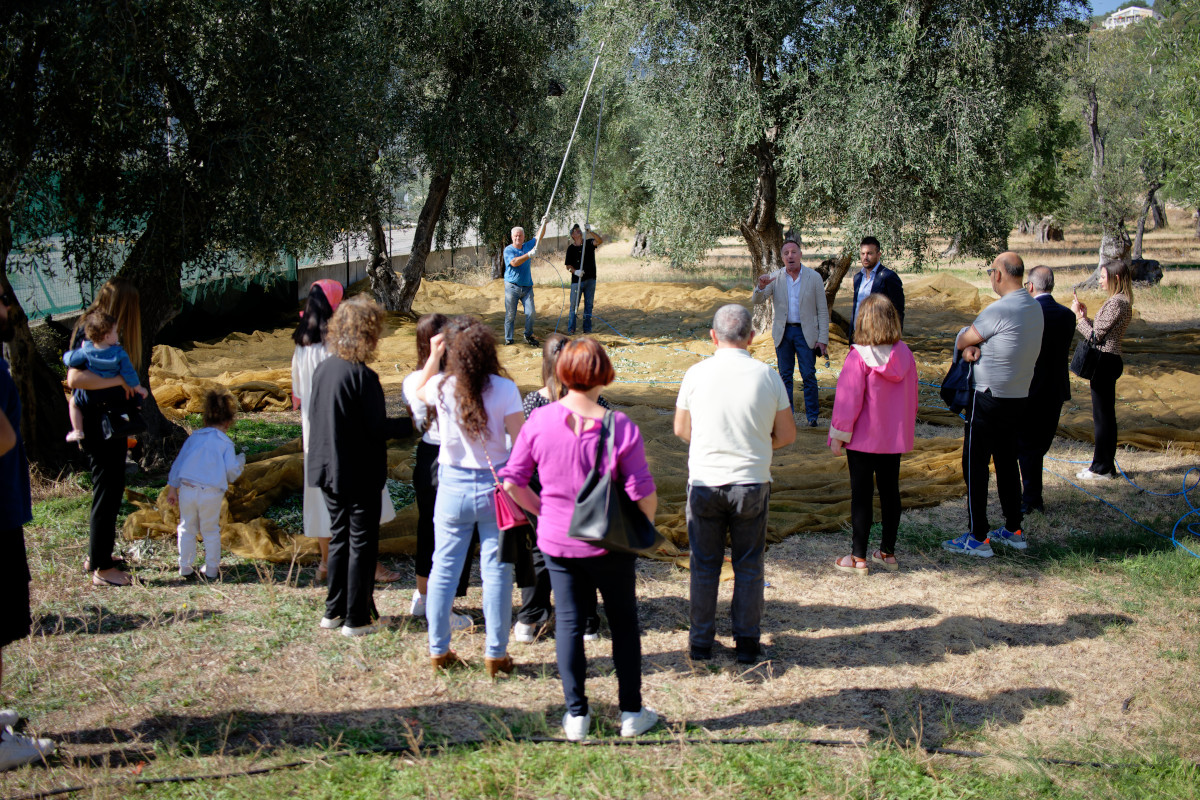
(653, 333)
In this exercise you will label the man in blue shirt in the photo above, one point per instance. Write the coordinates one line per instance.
(518, 282)
(15, 510)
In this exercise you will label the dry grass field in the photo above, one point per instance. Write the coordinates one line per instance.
(1084, 648)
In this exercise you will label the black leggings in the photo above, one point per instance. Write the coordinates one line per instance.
(1104, 412)
(107, 460)
(575, 582)
(425, 484)
(867, 471)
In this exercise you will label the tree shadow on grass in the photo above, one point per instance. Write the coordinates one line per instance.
(672, 613)
(242, 732)
(912, 715)
(100, 621)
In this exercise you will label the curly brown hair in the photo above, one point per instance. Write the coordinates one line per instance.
(354, 331)
(219, 408)
(97, 325)
(471, 359)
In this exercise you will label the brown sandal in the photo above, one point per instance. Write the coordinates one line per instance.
(385, 575)
(881, 558)
(852, 564)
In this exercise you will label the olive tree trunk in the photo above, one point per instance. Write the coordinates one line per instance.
(431, 211)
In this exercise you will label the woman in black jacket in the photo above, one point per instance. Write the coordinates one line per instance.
(347, 452)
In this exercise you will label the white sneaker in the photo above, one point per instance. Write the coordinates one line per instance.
(1088, 475)
(8, 718)
(576, 728)
(417, 609)
(16, 749)
(330, 624)
(524, 632)
(636, 724)
(460, 622)
(363, 630)
(591, 637)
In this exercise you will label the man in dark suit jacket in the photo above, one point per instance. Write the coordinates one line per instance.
(879, 280)
(1051, 387)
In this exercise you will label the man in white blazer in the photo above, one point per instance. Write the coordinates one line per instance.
(801, 326)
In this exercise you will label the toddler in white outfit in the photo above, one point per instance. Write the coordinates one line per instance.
(199, 477)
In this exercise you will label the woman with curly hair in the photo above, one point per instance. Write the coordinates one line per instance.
(347, 459)
(476, 405)
(425, 474)
(324, 296)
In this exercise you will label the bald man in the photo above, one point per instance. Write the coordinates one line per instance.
(518, 282)
(1003, 345)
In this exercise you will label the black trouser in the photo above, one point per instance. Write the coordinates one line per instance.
(425, 484)
(1104, 412)
(536, 605)
(15, 622)
(107, 457)
(991, 436)
(575, 582)
(868, 471)
(353, 550)
(1034, 438)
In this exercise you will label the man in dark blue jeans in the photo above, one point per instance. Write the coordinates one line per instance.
(733, 411)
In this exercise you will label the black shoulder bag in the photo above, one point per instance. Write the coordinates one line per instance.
(604, 515)
(1087, 357)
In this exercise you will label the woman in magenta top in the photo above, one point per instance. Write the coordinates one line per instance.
(874, 414)
(560, 441)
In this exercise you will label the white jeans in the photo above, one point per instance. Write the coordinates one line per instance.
(200, 512)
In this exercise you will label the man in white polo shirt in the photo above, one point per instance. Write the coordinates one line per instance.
(733, 411)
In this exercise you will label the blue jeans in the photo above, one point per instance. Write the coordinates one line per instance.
(794, 353)
(464, 500)
(588, 287)
(739, 509)
(514, 294)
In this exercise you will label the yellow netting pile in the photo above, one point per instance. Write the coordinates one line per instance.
(653, 333)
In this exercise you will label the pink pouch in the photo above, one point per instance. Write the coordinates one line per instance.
(508, 513)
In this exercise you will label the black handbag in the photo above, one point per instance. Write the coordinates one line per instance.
(604, 514)
(1086, 358)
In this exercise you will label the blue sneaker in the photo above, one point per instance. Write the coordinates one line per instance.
(969, 545)
(1015, 539)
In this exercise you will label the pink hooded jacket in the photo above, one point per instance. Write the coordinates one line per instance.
(875, 408)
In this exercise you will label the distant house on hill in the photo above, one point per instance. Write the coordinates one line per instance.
(1128, 16)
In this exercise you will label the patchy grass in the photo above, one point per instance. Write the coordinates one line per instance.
(253, 435)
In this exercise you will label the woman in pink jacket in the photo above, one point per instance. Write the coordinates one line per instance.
(874, 414)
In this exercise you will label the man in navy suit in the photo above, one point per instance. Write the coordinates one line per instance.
(874, 278)
(1050, 388)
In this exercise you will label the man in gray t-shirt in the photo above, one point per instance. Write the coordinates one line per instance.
(1008, 331)
(1003, 343)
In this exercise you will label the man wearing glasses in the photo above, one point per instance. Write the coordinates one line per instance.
(1003, 344)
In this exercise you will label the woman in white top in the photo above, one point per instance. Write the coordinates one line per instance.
(424, 479)
(476, 405)
(324, 296)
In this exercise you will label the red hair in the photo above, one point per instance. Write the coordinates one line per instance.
(583, 364)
